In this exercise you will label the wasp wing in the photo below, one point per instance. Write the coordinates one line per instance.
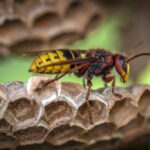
(73, 62)
(35, 52)
(68, 64)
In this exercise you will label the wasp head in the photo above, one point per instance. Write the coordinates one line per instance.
(122, 67)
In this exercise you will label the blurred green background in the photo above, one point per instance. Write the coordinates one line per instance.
(107, 35)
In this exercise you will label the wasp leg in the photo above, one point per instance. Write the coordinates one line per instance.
(113, 88)
(83, 80)
(106, 80)
(89, 90)
(50, 81)
(89, 83)
(105, 85)
(57, 75)
(60, 76)
(113, 79)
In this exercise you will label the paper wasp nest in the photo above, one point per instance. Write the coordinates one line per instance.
(42, 24)
(57, 117)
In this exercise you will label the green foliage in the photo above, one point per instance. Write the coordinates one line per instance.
(14, 68)
(144, 77)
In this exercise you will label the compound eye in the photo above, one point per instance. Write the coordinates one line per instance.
(124, 66)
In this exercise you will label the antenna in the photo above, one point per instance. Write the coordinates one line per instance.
(138, 55)
(134, 48)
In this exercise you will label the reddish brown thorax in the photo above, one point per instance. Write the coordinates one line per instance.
(118, 64)
(109, 60)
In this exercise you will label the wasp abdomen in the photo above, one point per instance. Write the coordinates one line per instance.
(42, 63)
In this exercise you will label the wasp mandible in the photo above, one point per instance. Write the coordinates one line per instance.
(96, 62)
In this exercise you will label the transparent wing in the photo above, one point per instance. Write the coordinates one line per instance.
(73, 61)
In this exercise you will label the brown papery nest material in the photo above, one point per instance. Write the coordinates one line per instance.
(46, 24)
(56, 117)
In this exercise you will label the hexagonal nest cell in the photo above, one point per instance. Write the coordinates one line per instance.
(31, 135)
(64, 134)
(144, 104)
(60, 121)
(86, 116)
(133, 129)
(57, 113)
(46, 21)
(7, 142)
(12, 31)
(75, 7)
(122, 112)
(100, 132)
(22, 109)
(22, 112)
(5, 127)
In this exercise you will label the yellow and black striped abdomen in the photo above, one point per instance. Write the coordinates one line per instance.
(42, 63)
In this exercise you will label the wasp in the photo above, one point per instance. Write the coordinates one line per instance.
(96, 62)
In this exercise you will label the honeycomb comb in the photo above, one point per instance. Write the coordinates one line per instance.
(56, 117)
